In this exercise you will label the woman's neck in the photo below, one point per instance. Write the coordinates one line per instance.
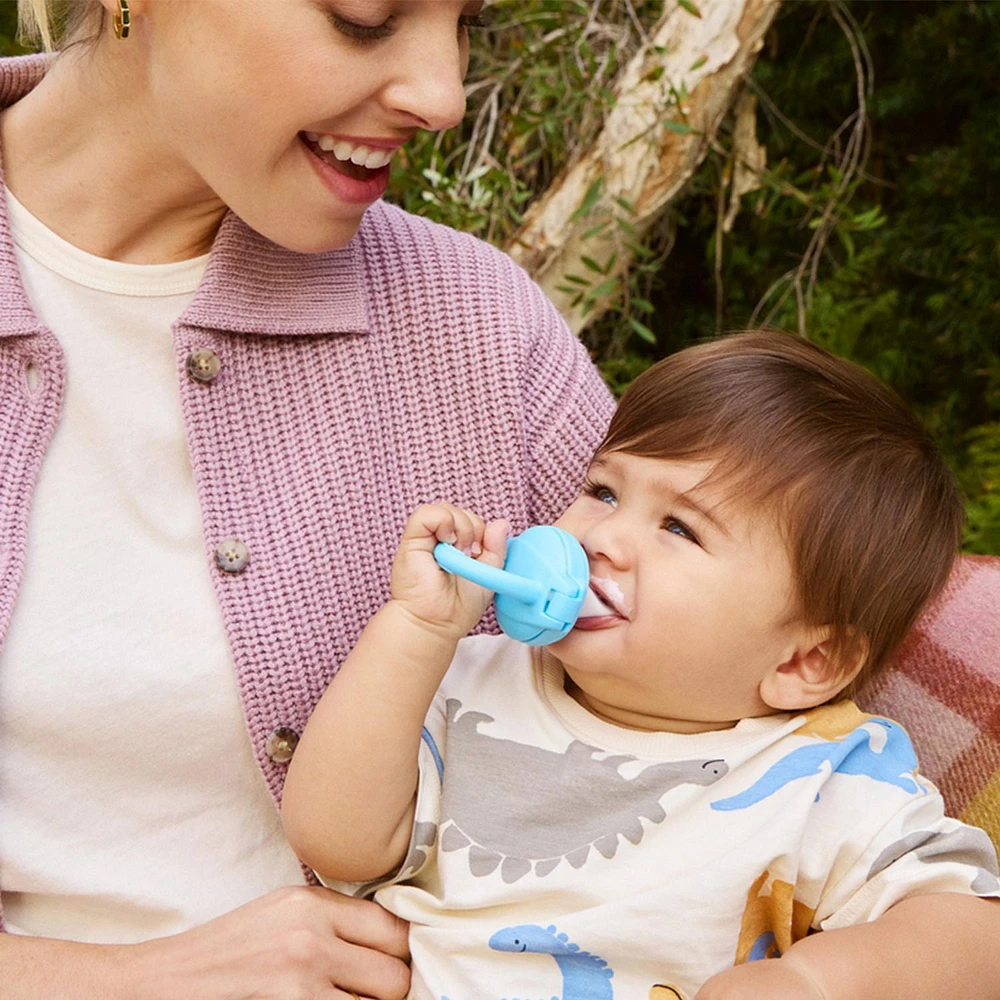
(82, 153)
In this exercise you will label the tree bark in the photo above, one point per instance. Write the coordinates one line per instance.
(669, 104)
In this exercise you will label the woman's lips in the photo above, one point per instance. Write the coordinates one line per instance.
(349, 189)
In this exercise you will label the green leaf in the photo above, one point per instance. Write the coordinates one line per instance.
(643, 305)
(594, 230)
(592, 264)
(642, 330)
(576, 280)
(678, 128)
(689, 7)
(697, 64)
(848, 241)
(604, 288)
(625, 203)
(590, 199)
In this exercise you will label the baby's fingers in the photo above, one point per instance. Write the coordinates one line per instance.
(495, 537)
(430, 524)
(469, 530)
(443, 522)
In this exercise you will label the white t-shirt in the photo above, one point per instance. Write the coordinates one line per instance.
(130, 803)
(557, 855)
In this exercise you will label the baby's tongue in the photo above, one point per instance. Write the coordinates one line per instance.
(594, 607)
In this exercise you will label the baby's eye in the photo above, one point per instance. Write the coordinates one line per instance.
(676, 527)
(599, 492)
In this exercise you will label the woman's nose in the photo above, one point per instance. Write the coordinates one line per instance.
(428, 87)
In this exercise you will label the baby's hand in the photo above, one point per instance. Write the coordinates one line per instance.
(433, 597)
(772, 978)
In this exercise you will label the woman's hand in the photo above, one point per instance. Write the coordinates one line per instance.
(293, 944)
(439, 600)
(297, 943)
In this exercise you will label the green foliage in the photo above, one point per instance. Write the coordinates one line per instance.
(539, 87)
(981, 479)
(8, 30)
(908, 283)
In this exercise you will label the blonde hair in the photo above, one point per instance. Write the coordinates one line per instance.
(52, 23)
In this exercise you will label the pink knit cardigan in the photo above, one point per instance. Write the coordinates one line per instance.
(416, 364)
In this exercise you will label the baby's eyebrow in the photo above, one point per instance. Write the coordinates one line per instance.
(685, 499)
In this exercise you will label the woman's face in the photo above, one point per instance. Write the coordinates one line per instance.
(247, 92)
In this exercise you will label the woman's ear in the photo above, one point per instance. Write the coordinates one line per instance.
(815, 671)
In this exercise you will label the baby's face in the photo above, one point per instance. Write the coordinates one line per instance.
(698, 594)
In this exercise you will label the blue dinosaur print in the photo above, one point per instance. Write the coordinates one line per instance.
(584, 976)
(893, 763)
(761, 946)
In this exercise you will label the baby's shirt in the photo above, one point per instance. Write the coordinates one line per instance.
(555, 855)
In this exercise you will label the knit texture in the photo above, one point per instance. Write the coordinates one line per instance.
(417, 364)
(944, 686)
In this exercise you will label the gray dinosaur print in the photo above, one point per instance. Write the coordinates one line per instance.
(520, 807)
(964, 845)
(584, 976)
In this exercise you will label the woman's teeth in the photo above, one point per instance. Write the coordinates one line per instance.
(348, 152)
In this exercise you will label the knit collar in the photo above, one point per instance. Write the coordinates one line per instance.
(250, 285)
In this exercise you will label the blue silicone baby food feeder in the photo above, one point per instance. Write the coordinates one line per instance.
(541, 588)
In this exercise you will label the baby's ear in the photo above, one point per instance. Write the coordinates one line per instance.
(816, 670)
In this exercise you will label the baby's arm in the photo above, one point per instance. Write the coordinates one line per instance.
(937, 944)
(351, 789)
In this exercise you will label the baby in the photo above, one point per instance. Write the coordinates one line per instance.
(678, 788)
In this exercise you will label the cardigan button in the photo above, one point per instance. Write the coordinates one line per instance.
(203, 365)
(281, 744)
(232, 555)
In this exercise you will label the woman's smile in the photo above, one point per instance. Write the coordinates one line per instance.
(346, 179)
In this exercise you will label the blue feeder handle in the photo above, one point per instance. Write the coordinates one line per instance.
(541, 588)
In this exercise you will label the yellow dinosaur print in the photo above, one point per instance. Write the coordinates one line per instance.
(833, 722)
(660, 992)
(772, 922)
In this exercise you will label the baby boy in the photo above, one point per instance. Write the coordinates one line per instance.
(677, 799)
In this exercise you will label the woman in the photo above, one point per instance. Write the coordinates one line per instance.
(227, 372)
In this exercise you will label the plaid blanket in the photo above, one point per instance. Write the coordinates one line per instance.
(944, 687)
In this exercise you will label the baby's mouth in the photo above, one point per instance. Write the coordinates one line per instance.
(597, 603)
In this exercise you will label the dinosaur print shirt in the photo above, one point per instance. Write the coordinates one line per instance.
(555, 855)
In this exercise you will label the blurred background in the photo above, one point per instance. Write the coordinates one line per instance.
(827, 167)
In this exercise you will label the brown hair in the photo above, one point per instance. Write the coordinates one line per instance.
(871, 512)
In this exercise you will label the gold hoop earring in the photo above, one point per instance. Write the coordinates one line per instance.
(123, 20)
